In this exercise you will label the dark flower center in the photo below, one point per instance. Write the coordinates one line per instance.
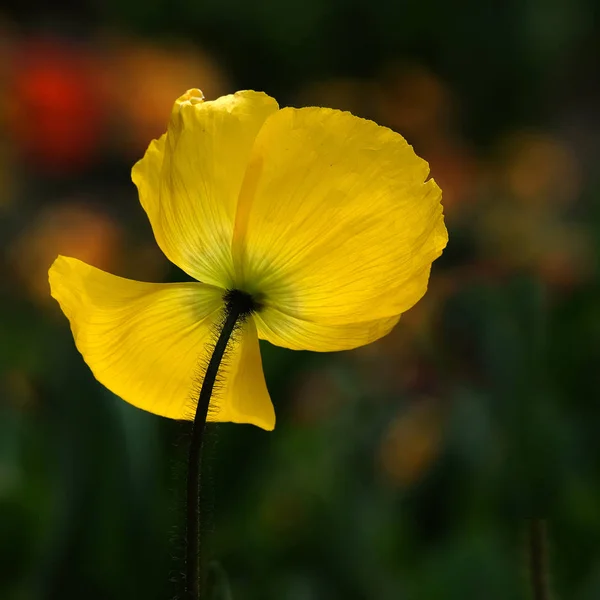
(241, 303)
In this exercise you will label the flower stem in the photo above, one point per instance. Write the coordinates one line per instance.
(538, 560)
(235, 311)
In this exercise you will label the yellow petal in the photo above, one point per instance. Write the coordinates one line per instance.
(297, 334)
(147, 342)
(245, 398)
(336, 223)
(189, 180)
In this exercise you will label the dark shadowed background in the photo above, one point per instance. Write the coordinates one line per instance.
(404, 470)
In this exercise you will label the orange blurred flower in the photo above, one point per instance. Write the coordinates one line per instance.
(72, 227)
(519, 237)
(413, 100)
(527, 226)
(316, 396)
(411, 443)
(539, 169)
(144, 77)
(456, 171)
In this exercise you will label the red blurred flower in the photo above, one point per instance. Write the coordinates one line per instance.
(56, 116)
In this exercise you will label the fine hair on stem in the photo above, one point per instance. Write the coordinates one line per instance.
(238, 306)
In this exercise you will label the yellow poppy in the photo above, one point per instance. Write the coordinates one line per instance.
(327, 220)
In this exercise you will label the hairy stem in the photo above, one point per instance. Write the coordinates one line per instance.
(193, 570)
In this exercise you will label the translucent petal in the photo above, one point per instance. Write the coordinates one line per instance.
(245, 398)
(297, 334)
(147, 342)
(336, 225)
(189, 180)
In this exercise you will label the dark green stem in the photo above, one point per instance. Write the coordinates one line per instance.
(234, 312)
(538, 559)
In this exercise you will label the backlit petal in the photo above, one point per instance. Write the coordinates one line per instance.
(297, 334)
(336, 224)
(148, 342)
(189, 180)
(245, 398)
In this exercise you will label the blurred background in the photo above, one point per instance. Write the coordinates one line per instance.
(404, 470)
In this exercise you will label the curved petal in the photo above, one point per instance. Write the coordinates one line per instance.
(245, 397)
(297, 334)
(146, 342)
(336, 223)
(189, 180)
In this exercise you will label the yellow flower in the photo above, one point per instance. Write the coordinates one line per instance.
(327, 220)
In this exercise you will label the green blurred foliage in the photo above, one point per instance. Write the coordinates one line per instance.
(404, 470)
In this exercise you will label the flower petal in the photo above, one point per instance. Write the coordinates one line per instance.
(189, 180)
(297, 334)
(147, 342)
(245, 398)
(336, 223)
